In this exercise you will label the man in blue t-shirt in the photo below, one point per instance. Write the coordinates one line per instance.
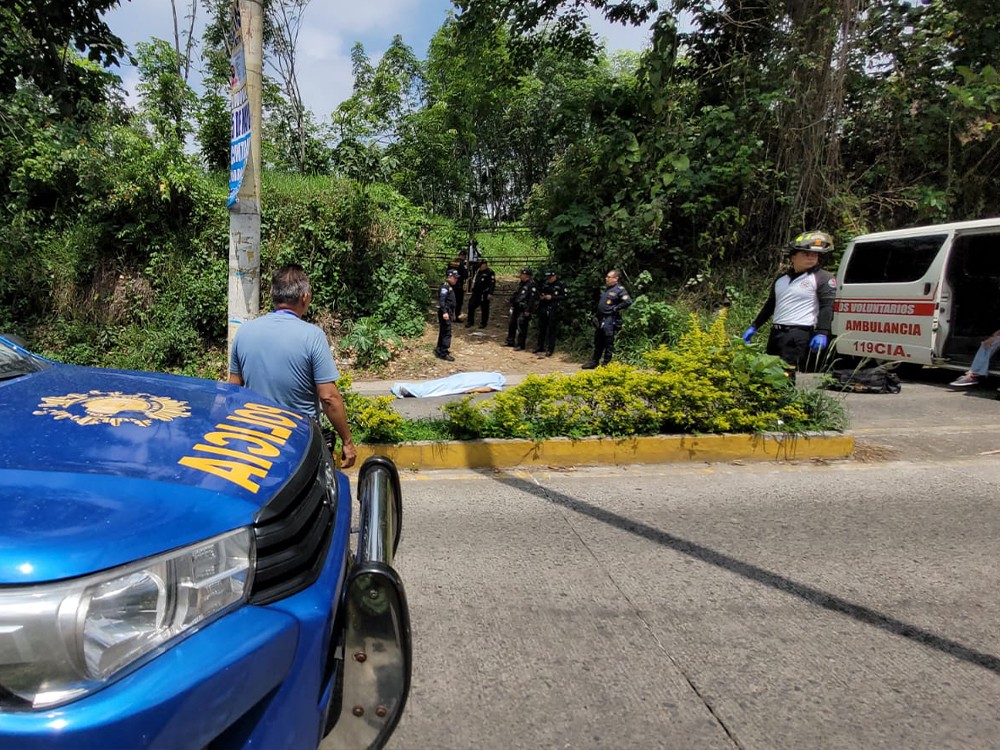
(282, 357)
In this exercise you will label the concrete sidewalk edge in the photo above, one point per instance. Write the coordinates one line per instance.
(493, 453)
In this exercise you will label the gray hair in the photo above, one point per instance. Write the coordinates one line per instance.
(289, 284)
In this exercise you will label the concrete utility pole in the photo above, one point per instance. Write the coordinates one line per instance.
(244, 214)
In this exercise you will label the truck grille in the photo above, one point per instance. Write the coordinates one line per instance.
(294, 529)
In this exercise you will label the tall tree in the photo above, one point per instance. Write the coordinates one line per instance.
(921, 135)
(563, 23)
(367, 123)
(470, 72)
(284, 19)
(184, 38)
(508, 116)
(167, 100)
(214, 111)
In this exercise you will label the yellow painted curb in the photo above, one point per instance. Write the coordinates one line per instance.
(475, 454)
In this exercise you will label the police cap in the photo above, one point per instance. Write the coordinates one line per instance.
(527, 270)
(453, 272)
(550, 272)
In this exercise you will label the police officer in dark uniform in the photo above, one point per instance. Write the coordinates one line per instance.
(446, 314)
(553, 292)
(522, 305)
(801, 302)
(614, 299)
(461, 265)
(483, 286)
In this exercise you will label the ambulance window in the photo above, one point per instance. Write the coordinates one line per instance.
(979, 254)
(898, 260)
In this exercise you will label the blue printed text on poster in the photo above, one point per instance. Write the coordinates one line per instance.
(239, 142)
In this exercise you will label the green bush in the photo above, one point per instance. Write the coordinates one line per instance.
(348, 238)
(466, 420)
(372, 343)
(371, 418)
(711, 384)
(402, 299)
(647, 325)
(708, 383)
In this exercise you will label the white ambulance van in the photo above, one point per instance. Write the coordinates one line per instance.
(923, 296)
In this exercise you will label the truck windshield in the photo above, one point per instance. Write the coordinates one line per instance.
(14, 364)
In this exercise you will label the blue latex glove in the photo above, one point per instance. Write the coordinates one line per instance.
(748, 333)
(818, 342)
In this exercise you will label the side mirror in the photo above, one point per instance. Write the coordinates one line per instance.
(381, 502)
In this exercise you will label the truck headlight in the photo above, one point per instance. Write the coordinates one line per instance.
(60, 641)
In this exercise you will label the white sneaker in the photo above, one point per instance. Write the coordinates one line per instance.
(965, 381)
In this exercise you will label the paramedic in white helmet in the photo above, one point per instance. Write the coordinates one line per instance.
(801, 303)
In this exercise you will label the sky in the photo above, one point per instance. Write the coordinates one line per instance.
(330, 29)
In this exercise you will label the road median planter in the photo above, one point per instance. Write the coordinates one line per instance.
(492, 453)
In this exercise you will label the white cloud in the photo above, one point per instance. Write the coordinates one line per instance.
(618, 37)
(130, 83)
(329, 31)
(325, 77)
(364, 17)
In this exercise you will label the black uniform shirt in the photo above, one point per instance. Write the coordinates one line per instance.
(446, 299)
(558, 291)
(525, 296)
(613, 300)
(485, 281)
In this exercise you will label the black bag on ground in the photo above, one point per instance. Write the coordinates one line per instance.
(868, 380)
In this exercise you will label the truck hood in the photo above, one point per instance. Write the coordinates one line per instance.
(103, 467)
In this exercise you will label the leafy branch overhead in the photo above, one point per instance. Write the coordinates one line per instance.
(564, 23)
(35, 36)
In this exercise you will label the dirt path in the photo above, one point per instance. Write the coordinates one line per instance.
(475, 350)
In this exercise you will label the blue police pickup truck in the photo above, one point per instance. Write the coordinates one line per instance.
(178, 569)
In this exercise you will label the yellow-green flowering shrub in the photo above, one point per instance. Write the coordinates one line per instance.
(708, 382)
(372, 418)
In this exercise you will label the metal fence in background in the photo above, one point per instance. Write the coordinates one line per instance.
(510, 265)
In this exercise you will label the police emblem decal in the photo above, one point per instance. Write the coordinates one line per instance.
(114, 408)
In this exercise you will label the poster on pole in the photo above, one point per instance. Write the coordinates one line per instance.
(239, 140)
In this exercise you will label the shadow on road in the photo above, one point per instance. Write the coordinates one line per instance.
(754, 573)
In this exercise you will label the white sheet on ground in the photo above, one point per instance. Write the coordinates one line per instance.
(462, 382)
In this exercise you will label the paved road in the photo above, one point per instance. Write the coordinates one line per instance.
(928, 420)
(842, 605)
(848, 604)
